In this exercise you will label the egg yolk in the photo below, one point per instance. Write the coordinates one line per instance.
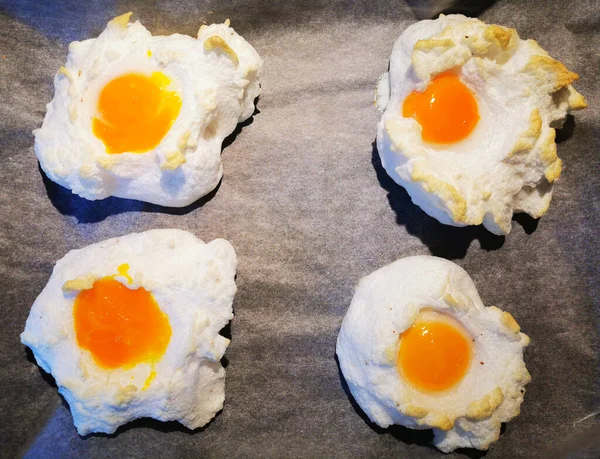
(119, 326)
(135, 112)
(434, 353)
(447, 110)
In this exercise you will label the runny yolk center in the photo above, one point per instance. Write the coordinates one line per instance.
(135, 112)
(119, 326)
(435, 353)
(447, 110)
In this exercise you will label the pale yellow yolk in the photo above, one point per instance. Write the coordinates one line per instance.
(447, 110)
(119, 326)
(135, 112)
(435, 353)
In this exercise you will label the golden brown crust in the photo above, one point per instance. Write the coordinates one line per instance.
(522, 375)
(486, 405)
(552, 172)
(542, 66)
(396, 134)
(173, 160)
(509, 322)
(450, 195)
(427, 44)
(499, 35)
(414, 411)
(182, 142)
(528, 139)
(548, 147)
(576, 100)
(125, 394)
(121, 21)
(548, 155)
(540, 210)
(440, 421)
(456, 300)
(78, 284)
(64, 71)
(72, 109)
(217, 43)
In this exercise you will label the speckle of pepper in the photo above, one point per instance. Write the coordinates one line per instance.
(481, 363)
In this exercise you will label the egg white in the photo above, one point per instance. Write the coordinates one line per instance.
(508, 163)
(385, 304)
(217, 78)
(192, 283)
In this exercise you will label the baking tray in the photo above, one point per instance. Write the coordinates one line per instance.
(309, 210)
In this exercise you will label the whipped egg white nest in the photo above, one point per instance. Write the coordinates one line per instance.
(418, 348)
(144, 117)
(129, 328)
(505, 161)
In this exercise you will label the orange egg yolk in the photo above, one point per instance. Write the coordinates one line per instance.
(119, 326)
(135, 112)
(434, 353)
(447, 110)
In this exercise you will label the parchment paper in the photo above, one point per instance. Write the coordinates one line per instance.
(309, 210)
